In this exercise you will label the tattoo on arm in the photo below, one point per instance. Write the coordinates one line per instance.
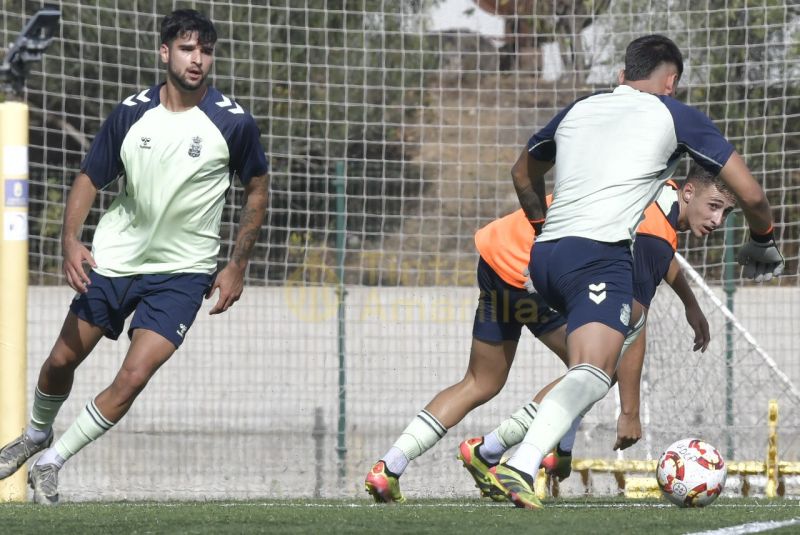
(250, 221)
(530, 202)
(248, 234)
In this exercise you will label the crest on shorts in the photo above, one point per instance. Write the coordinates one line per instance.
(625, 314)
(194, 150)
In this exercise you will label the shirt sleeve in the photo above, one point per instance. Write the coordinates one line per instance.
(247, 154)
(542, 145)
(698, 136)
(103, 163)
(651, 259)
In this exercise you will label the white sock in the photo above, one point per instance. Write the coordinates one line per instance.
(527, 458)
(43, 414)
(568, 441)
(37, 435)
(422, 434)
(51, 456)
(87, 427)
(492, 449)
(395, 460)
(512, 430)
(581, 387)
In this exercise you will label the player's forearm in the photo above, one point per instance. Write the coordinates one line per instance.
(749, 193)
(528, 177)
(79, 201)
(251, 219)
(677, 281)
(629, 376)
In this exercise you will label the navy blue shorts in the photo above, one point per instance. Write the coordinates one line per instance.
(165, 304)
(586, 280)
(504, 309)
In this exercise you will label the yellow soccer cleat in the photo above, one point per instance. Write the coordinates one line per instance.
(383, 485)
(516, 487)
(479, 469)
(557, 464)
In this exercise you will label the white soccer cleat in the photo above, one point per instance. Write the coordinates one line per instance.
(43, 479)
(15, 453)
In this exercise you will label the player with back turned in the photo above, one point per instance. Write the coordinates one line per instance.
(612, 152)
(154, 253)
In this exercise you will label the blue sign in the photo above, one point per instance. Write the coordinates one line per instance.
(16, 192)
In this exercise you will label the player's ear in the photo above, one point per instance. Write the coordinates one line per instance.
(671, 83)
(163, 51)
(621, 76)
(687, 192)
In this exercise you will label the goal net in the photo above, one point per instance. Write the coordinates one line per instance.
(391, 128)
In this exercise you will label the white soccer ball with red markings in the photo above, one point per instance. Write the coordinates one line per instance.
(691, 473)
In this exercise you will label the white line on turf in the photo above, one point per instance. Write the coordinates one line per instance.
(485, 504)
(365, 504)
(751, 527)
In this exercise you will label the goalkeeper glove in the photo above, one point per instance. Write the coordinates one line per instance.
(760, 257)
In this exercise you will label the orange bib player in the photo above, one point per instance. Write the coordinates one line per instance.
(506, 302)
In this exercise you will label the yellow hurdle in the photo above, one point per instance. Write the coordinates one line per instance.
(772, 451)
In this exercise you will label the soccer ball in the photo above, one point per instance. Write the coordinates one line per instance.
(691, 473)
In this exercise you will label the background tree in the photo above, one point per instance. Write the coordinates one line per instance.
(327, 80)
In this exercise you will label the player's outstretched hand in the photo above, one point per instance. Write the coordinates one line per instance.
(75, 255)
(699, 324)
(230, 282)
(761, 258)
(629, 431)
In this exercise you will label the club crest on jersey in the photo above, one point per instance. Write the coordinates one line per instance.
(196, 147)
(625, 314)
(145, 144)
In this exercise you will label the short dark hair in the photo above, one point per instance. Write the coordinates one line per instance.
(645, 54)
(186, 21)
(704, 178)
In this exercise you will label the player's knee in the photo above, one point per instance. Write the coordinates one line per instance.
(129, 382)
(485, 392)
(60, 362)
(482, 387)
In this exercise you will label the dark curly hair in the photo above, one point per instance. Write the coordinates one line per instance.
(186, 21)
